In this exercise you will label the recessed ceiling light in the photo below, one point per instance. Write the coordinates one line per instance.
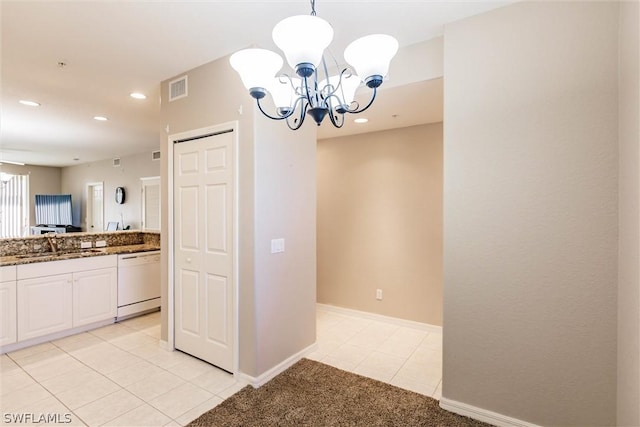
(11, 163)
(361, 120)
(101, 118)
(138, 95)
(29, 103)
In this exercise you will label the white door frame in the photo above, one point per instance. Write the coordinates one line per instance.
(171, 139)
(143, 180)
(90, 206)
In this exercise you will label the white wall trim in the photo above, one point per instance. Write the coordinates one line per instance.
(8, 348)
(379, 317)
(262, 379)
(482, 414)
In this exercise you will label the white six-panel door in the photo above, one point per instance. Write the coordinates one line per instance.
(203, 248)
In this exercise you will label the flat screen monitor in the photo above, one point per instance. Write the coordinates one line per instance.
(53, 209)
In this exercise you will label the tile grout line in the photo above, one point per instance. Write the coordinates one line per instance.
(406, 359)
(48, 391)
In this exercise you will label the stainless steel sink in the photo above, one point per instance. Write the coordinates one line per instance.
(91, 251)
(44, 255)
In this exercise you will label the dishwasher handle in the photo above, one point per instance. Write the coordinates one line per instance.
(143, 257)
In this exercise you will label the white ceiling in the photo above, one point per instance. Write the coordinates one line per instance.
(113, 48)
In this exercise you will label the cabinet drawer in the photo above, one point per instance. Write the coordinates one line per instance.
(40, 269)
(8, 273)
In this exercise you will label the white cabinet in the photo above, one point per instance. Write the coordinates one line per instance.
(58, 295)
(95, 295)
(8, 328)
(8, 302)
(44, 305)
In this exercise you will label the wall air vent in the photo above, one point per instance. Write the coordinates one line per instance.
(116, 162)
(178, 88)
(155, 155)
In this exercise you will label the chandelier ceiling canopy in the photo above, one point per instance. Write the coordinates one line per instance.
(303, 39)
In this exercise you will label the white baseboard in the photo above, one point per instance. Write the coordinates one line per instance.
(379, 317)
(280, 367)
(54, 336)
(482, 414)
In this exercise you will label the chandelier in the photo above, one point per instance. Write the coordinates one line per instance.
(303, 39)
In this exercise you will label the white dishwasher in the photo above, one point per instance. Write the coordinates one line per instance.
(138, 283)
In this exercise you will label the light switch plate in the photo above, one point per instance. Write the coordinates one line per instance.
(101, 243)
(85, 245)
(277, 245)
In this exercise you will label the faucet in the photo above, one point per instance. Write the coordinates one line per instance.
(51, 238)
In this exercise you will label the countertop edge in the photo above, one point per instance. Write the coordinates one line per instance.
(109, 250)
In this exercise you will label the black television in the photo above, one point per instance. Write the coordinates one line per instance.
(53, 210)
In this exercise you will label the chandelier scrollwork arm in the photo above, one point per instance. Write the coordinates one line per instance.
(356, 110)
(302, 106)
(269, 115)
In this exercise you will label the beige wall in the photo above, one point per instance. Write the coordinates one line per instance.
(285, 207)
(530, 208)
(380, 222)
(276, 200)
(42, 180)
(629, 217)
(127, 175)
(215, 97)
(417, 62)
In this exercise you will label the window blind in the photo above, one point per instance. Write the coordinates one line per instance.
(14, 205)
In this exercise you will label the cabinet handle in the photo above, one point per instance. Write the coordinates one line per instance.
(188, 260)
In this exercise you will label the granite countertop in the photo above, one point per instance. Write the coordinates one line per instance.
(48, 256)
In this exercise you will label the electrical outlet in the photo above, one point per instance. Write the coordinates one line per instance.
(379, 294)
(85, 245)
(101, 244)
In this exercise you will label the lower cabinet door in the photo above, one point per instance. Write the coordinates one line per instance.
(8, 326)
(95, 295)
(44, 305)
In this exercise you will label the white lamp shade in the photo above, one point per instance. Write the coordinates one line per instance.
(303, 38)
(282, 93)
(347, 90)
(256, 67)
(371, 55)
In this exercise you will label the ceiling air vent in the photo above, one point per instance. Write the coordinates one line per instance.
(155, 155)
(116, 162)
(178, 88)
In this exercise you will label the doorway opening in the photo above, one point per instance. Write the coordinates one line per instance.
(95, 207)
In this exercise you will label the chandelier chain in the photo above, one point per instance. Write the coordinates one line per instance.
(313, 7)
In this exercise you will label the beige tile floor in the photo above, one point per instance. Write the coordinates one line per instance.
(407, 357)
(119, 376)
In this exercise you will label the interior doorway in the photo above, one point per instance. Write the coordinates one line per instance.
(150, 203)
(95, 206)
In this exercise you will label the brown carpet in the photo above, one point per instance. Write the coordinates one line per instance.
(314, 394)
